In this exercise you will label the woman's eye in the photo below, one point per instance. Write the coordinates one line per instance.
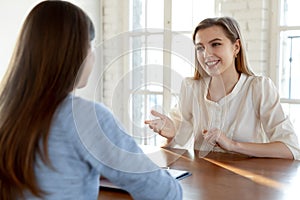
(216, 44)
(199, 48)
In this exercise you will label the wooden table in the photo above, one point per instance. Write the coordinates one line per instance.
(226, 176)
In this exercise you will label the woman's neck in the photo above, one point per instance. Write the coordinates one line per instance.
(222, 85)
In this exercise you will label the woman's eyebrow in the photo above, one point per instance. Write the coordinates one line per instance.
(211, 41)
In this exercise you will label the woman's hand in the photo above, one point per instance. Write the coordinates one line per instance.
(217, 137)
(273, 149)
(163, 125)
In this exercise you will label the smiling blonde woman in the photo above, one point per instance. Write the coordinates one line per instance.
(225, 107)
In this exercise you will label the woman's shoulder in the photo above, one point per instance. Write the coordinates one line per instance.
(76, 107)
(83, 104)
(260, 81)
(258, 78)
(262, 88)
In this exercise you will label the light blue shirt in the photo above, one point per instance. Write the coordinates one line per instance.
(87, 141)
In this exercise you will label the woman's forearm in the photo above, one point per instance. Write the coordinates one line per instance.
(272, 150)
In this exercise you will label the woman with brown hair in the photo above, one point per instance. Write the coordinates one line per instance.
(54, 145)
(225, 107)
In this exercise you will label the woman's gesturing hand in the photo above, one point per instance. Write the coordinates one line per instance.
(162, 125)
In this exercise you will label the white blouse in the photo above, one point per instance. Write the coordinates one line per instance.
(250, 113)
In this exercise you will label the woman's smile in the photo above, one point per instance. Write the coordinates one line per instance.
(212, 63)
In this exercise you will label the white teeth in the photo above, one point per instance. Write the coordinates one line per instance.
(210, 63)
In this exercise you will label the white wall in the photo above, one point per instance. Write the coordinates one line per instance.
(115, 23)
(14, 12)
(12, 15)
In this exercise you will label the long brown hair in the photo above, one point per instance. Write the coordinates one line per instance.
(51, 47)
(232, 31)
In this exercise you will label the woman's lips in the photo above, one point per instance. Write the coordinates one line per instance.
(211, 64)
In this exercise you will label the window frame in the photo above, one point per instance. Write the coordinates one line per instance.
(274, 69)
(168, 96)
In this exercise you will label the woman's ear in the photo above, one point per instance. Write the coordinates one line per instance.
(236, 47)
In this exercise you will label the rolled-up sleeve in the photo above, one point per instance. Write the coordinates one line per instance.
(276, 124)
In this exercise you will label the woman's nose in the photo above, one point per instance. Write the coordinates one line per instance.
(207, 52)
